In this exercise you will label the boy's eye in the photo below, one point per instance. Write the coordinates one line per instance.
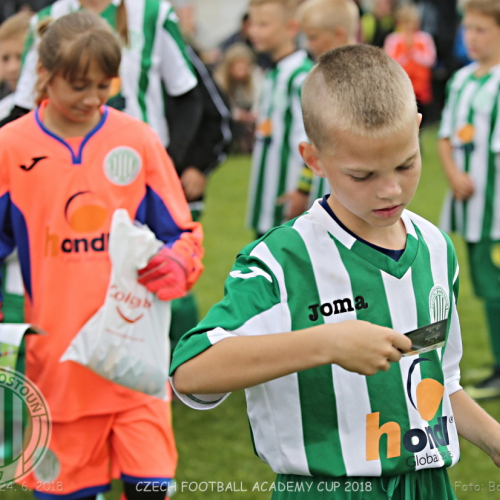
(405, 167)
(360, 179)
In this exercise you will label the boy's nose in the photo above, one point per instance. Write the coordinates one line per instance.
(389, 190)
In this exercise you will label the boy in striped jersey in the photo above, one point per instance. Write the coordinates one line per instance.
(469, 146)
(276, 163)
(327, 24)
(312, 320)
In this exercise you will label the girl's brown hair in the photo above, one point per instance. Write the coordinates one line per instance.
(69, 45)
(222, 74)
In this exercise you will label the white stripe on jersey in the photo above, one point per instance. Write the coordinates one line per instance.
(279, 429)
(403, 309)
(351, 412)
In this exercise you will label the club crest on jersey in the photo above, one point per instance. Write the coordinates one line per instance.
(439, 303)
(338, 306)
(122, 165)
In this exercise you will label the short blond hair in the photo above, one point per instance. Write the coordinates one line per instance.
(407, 13)
(15, 27)
(356, 89)
(329, 15)
(489, 8)
(289, 6)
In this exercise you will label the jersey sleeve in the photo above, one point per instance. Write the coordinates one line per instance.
(251, 306)
(175, 66)
(25, 90)
(164, 208)
(446, 128)
(453, 349)
(495, 137)
(7, 240)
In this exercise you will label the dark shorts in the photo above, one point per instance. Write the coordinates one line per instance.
(425, 484)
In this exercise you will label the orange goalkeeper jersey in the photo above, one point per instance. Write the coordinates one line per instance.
(57, 198)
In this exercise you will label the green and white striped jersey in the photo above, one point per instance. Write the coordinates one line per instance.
(470, 122)
(154, 61)
(328, 421)
(276, 163)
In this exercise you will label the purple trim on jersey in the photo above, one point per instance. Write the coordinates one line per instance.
(153, 212)
(14, 231)
(75, 158)
(86, 492)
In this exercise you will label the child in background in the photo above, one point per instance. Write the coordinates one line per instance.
(239, 77)
(314, 312)
(276, 163)
(58, 192)
(327, 24)
(415, 51)
(469, 148)
(13, 33)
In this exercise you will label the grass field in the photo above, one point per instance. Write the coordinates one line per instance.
(215, 446)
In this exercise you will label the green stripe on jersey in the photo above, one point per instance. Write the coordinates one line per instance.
(390, 382)
(171, 26)
(321, 437)
(151, 9)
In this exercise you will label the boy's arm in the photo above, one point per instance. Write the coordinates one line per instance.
(475, 425)
(246, 339)
(241, 362)
(460, 182)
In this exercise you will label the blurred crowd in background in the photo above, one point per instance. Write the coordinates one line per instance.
(218, 30)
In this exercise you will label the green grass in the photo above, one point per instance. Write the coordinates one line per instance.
(215, 445)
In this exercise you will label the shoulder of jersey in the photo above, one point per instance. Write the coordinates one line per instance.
(124, 124)
(420, 222)
(21, 128)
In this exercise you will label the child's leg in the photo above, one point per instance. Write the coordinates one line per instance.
(76, 464)
(484, 262)
(143, 450)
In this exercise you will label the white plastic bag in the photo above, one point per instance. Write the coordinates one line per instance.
(126, 341)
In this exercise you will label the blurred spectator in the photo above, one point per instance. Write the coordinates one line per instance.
(242, 36)
(13, 33)
(376, 25)
(239, 77)
(414, 50)
(9, 7)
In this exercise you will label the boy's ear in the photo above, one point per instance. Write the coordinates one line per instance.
(310, 156)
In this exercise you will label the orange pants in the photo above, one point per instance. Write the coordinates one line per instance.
(136, 446)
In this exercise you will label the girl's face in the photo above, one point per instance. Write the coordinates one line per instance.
(78, 101)
(239, 69)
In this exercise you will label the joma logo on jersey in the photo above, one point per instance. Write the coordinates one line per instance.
(338, 306)
(429, 394)
(84, 213)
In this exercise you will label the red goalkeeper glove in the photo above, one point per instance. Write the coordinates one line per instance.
(166, 274)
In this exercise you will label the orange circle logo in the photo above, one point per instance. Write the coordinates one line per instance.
(85, 213)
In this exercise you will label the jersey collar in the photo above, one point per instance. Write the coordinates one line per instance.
(371, 255)
(76, 157)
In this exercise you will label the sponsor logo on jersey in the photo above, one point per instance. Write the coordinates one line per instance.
(122, 165)
(254, 272)
(338, 306)
(84, 213)
(34, 161)
(429, 394)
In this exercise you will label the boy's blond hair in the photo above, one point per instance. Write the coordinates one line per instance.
(15, 27)
(330, 14)
(289, 6)
(407, 13)
(489, 8)
(356, 89)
